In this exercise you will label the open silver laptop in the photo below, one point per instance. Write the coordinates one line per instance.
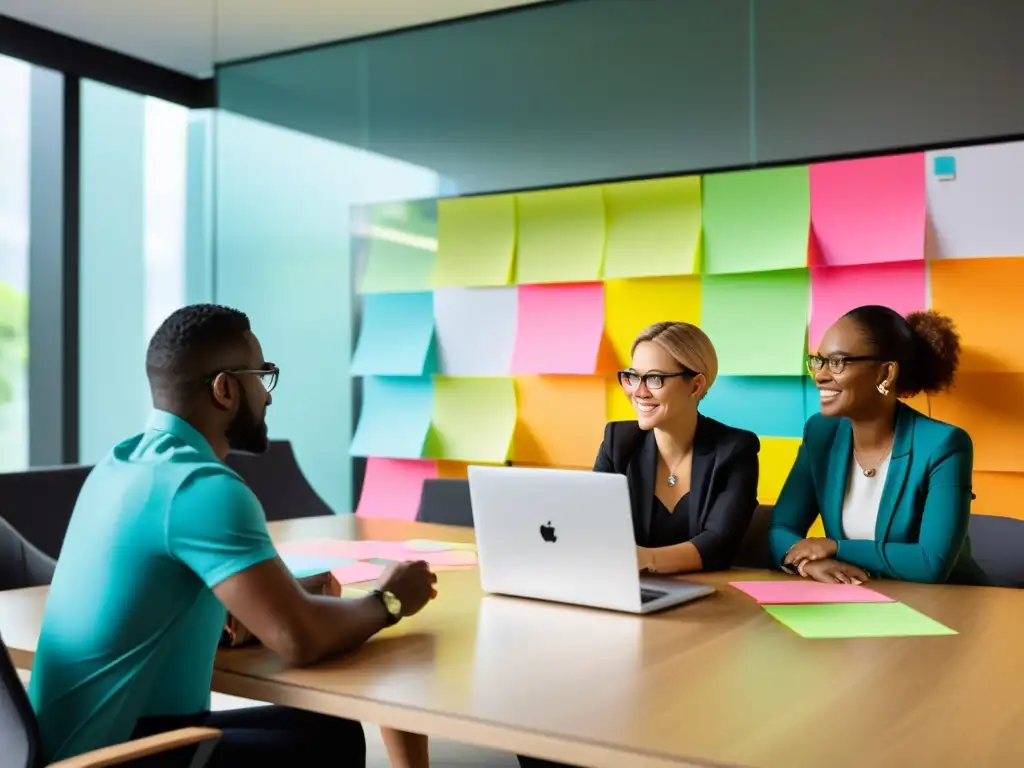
(566, 536)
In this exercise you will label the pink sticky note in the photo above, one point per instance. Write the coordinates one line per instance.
(357, 572)
(392, 487)
(799, 592)
(559, 328)
(836, 290)
(869, 211)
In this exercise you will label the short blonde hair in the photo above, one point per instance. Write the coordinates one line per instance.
(688, 345)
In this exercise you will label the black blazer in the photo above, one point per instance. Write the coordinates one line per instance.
(723, 483)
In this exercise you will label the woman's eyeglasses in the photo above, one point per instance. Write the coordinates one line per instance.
(836, 363)
(632, 379)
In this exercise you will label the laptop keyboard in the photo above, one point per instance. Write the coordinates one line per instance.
(646, 595)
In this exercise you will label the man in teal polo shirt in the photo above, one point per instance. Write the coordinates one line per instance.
(163, 541)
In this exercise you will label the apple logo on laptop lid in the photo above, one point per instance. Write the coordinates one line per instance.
(547, 532)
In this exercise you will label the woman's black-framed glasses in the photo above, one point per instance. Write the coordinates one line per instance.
(632, 379)
(267, 375)
(836, 363)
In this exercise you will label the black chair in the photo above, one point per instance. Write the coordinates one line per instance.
(754, 551)
(997, 544)
(445, 501)
(21, 564)
(277, 480)
(39, 503)
(21, 745)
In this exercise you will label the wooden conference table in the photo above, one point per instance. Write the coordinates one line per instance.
(714, 683)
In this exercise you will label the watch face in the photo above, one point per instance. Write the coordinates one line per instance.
(393, 604)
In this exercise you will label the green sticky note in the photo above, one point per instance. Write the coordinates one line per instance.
(401, 246)
(476, 241)
(653, 227)
(758, 322)
(839, 620)
(474, 419)
(756, 220)
(560, 236)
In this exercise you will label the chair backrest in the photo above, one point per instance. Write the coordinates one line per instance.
(445, 501)
(20, 742)
(39, 503)
(997, 544)
(21, 564)
(278, 482)
(754, 551)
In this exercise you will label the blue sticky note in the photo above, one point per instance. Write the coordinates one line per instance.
(396, 337)
(770, 406)
(302, 566)
(945, 166)
(395, 417)
(812, 398)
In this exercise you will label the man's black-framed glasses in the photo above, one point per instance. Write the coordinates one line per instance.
(267, 375)
(632, 379)
(836, 363)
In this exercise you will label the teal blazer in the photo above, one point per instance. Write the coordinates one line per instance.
(921, 532)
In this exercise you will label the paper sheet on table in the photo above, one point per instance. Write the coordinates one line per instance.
(772, 342)
(560, 237)
(395, 417)
(654, 227)
(357, 572)
(632, 305)
(756, 221)
(302, 566)
(999, 494)
(392, 487)
(475, 330)
(766, 405)
(845, 620)
(869, 210)
(560, 329)
(776, 459)
(401, 246)
(983, 296)
(901, 286)
(990, 407)
(561, 420)
(396, 336)
(476, 241)
(977, 213)
(432, 545)
(473, 420)
(799, 591)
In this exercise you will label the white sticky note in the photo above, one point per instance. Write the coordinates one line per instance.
(475, 330)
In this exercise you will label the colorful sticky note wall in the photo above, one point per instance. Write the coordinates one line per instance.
(492, 326)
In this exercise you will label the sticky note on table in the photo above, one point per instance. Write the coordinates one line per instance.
(476, 241)
(392, 487)
(766, 405)
(357, 572)
(756, 221)
(475, 330)
(990, 407)
(848, 620)
(983, 298)
(774, 345)
(901, 286)
(799, 591)
(552, 433)
(978, 214)
(474, 419)
(776, 459)
(395, 417)
(432, 545)
(302, 566)
(396, 336)
(560, 236)
(401, 245)
(560, 329)
(632, 305)
(869, 210)
(654, 227)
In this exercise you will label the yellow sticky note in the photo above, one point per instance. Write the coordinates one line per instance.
(550, 434)
(619, 407)
(654, 227)
(776, 459)
(476, 241)
(632, 305)
(474, 419)
(560, 237)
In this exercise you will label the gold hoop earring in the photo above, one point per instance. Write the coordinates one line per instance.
(883, 390)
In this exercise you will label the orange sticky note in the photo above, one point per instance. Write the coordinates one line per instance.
(998, 493)
(991, 408)
(983, 298)
(455, 470)
(561, 420)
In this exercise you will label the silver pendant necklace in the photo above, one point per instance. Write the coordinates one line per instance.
(672, 479)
